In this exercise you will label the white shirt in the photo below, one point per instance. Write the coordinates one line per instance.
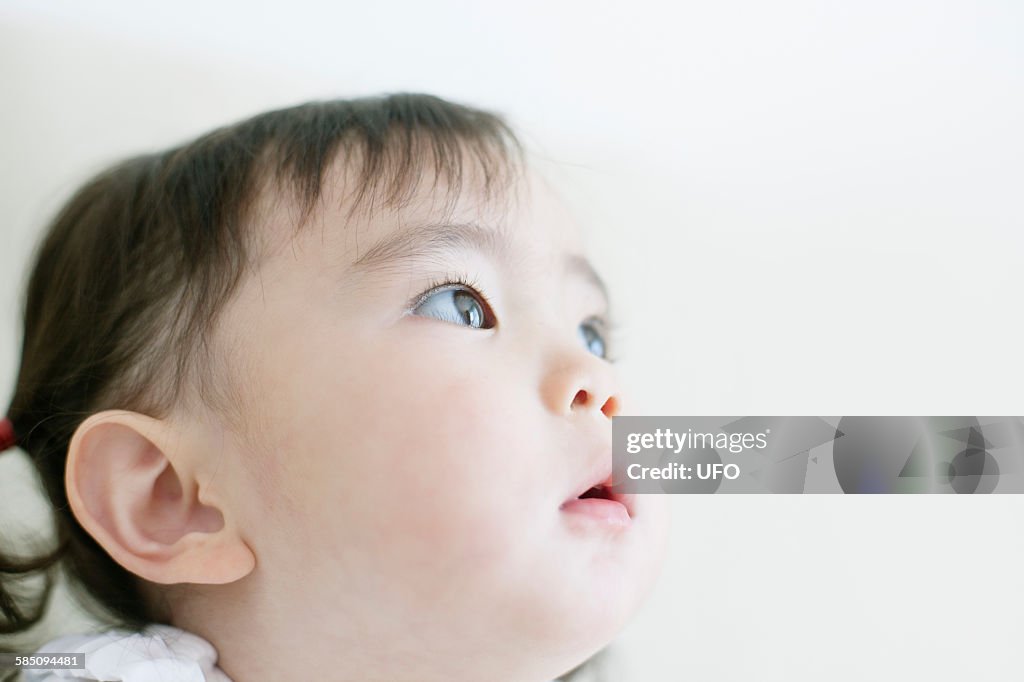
(161, 653)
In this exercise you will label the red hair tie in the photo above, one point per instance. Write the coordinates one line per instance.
(7, 439)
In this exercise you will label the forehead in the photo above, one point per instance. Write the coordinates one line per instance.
(526, 215)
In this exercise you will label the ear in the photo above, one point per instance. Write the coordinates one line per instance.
(134, 486)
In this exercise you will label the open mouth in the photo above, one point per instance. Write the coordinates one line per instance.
(598, 491)
(601, 502)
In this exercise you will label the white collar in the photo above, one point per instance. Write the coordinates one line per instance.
(159, 653)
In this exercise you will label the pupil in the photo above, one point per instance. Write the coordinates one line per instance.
(469, 308)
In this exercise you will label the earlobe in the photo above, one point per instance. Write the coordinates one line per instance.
(136, 488)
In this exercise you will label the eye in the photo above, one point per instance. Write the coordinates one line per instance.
(456, 303)
(592, 335)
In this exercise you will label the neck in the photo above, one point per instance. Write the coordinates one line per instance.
(299, 643)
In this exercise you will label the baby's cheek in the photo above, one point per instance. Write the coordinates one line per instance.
(435, 530)
(463, 467)
(463, 484)
(417, 464)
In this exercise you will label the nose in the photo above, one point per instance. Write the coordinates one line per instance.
(578, 381)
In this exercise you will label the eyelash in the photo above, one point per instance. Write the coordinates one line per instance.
(609, 328)
(449, 281)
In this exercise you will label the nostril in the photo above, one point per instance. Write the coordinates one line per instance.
(610, 407)
(581, 398)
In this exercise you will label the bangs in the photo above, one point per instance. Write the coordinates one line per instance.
(386, 152)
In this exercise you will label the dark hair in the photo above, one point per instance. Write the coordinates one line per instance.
(128, 280)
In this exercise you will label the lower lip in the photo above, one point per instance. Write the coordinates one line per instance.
(600, 510)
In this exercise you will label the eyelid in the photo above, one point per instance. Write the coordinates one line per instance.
(598, 320)
(449, 281)
(419, 298)
(606, 324)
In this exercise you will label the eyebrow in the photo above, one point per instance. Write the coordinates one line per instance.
(437, 239)
(434, 239)
(580, 265)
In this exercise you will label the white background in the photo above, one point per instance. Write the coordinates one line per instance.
(802, 208)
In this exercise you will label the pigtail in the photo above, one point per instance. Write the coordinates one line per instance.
(23, 600)
(20, 609)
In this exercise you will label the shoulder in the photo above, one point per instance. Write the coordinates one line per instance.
(158, 653)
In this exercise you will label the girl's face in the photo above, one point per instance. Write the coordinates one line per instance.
(414, 452)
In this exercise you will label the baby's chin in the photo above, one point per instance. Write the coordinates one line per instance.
(582, 614)
(581, 632)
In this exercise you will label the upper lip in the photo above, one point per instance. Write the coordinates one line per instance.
(601, 476)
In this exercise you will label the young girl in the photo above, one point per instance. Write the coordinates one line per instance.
(327, 395)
